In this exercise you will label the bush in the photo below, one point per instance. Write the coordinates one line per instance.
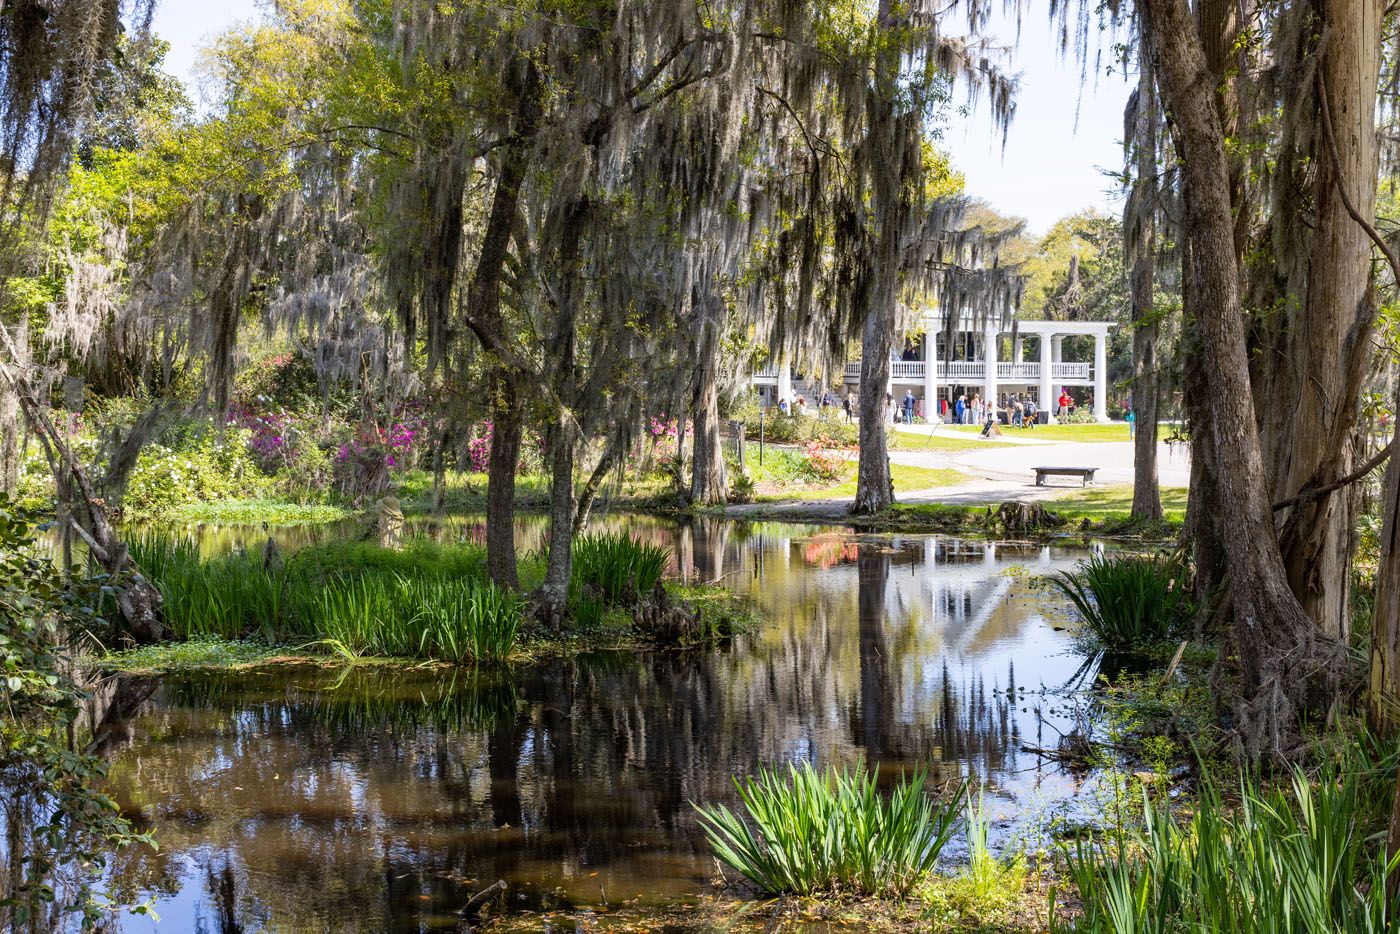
(1302, 857)
(831, 831)
(198, 466)
(620, 569)
(792, 429)
(1129, 601)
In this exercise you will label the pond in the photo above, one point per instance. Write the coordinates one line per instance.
(298, 798)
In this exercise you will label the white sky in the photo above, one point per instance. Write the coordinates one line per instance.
(1060, 139)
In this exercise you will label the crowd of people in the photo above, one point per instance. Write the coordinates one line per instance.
(1020, 410)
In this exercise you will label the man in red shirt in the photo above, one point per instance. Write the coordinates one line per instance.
(1065, 403)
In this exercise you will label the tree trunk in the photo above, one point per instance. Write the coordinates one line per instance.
(551, 600)
(1142, 224)
(708, 484)
(11, 436)
(1383, 698)
(483, 315)
(506, 433)
(1287, 666)
(1328, 337)
(874, 488)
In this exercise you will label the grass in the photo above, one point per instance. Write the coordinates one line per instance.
(255, 511)
(1306, 856)
(1115, 504)
(1128, 602)
(945, 438)
(907, 479)
(426, 601)
(619, 569)
(807, 832)
(200, 653)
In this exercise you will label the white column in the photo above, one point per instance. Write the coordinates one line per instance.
(930, 376)
(1018, 349)
(1101, 377)
(784, 378)
(989, 354)
(1057, 355)
(1047, 401)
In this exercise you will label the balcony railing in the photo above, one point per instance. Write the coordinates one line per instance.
(975, 371)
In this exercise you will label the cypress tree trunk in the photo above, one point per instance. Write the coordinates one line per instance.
(551, 601)
(507, 430)
(874, 488)
(1147, 500)
(708, 484)
(1287, 666)
(1328, 336)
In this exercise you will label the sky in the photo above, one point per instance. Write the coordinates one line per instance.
(1061, 138)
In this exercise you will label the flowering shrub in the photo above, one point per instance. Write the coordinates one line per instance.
(204, 467)
(825, 466)
(479, 450)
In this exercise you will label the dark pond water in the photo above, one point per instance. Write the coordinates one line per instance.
(297, 799)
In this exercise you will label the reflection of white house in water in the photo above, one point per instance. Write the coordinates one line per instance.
(972, 584)
(972, 363)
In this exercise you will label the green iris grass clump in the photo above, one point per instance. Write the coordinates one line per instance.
(807, 832)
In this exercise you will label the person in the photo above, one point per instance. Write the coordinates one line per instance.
(958, 409)
(1018, 412)
(1066, 403)
(1131, 419)
(908, 407)
(1032, 410)
(783, 405)
(850, 404)
(978, 409)
(801, 405)
(889, 406)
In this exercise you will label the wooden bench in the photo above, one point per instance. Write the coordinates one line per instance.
(1084, 473)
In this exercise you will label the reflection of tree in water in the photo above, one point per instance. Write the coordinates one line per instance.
(358, 799)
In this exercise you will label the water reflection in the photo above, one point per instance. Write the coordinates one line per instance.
(370, 799)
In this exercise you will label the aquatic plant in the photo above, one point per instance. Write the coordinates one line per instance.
(425, 601)
(1304, 856)
(1128, 601)
(810, 831)
(620, 568)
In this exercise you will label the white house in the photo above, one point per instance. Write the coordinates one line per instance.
(1036, 368)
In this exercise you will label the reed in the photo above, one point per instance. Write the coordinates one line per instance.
(1307, 856)
(619, 568)
(1128, 601)
(424, 602)
(806, 832)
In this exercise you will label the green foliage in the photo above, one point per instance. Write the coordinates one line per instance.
(60, 830)
(618, 568)
(199, 467)
(832, 432)
(825, 832)
(989, 891)
(1128, 601)
(1296, 858)
(425, 601)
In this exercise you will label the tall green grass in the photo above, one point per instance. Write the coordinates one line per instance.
(1129, 601)
(1307, 857)
(426, 601)
(807, 831)
(618, 568)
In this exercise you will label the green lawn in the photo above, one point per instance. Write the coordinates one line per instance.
(946, 438)
(906, 480)
(1115, 503)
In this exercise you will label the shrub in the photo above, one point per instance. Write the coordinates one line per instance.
(200, 466)
(824, 466)
(1128, 601)
(618, 567)
(829, 831)
(1301, 857)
